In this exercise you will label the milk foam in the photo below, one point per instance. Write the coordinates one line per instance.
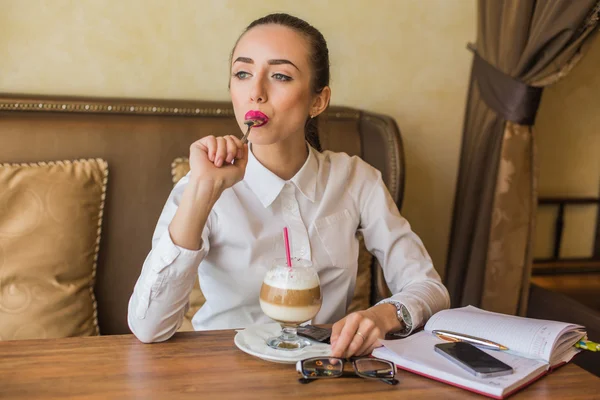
(298, 279)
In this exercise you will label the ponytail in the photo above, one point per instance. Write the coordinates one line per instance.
(311, 133)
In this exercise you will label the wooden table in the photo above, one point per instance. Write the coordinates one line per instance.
(205, 365)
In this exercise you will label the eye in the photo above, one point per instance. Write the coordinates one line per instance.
(241, 75)
(282, 77)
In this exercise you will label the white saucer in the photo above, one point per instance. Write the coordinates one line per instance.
(252, 341)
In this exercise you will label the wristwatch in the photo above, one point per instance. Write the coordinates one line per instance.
(403, 316)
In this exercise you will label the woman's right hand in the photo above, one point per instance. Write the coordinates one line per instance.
(211, 159)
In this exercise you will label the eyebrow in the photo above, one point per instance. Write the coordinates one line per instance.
(270, 62)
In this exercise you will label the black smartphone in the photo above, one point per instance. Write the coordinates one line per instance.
(315, 333)
(473, 360)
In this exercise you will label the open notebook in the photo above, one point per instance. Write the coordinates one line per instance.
(535, 347)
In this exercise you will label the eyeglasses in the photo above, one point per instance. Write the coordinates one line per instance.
(333, 367)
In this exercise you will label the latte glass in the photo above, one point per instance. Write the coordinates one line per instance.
(290, 296)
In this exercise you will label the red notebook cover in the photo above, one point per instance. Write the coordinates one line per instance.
(515, 390)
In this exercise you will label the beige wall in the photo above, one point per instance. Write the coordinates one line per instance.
(398, 57)
(568, 137)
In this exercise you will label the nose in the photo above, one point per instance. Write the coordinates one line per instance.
(258, 92)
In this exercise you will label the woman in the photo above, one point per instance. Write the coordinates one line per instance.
(223, 221)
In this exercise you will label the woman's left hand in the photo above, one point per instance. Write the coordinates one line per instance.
(359, 333)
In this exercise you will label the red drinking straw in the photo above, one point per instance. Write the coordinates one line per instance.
(286, 239)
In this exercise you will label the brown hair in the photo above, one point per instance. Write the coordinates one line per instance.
(319, 60)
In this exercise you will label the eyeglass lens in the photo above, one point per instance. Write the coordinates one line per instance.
(323, 367)
(371, 368)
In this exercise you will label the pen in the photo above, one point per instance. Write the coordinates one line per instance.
(459, 337)
(588, 345)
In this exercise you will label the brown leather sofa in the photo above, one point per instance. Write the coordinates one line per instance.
(140, 139)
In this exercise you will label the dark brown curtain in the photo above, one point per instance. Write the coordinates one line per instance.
(521, 46)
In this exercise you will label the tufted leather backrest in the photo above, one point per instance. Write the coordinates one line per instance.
(139, 139)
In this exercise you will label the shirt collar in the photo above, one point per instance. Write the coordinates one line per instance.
(306, 179)
(267, 186)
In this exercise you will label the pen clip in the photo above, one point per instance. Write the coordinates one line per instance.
(447, 338)
(459, 337)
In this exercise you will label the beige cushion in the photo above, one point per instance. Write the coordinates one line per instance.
(362, 293)
(50, 221)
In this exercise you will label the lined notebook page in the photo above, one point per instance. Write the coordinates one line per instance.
(527, 337)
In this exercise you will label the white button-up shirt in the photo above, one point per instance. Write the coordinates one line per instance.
(324, 205)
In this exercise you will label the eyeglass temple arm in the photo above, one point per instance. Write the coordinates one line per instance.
(345, 374)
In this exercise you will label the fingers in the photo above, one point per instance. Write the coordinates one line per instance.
(371, 341)
(232, 148)
(242, 160)
(222, 149)
(356, 334)
(239, 146)
(336, 329)
(210, 144)
(362, 337)
(346, 336)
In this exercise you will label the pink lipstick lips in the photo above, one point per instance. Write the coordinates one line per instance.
(257, 117)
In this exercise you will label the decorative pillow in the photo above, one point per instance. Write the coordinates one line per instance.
(50, 222)
(362, 292)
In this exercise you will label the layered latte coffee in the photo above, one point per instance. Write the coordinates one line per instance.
(290, 297)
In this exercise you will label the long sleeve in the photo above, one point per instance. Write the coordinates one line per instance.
(161, 294)
(407, 267)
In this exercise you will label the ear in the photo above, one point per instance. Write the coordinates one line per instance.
(320, 101)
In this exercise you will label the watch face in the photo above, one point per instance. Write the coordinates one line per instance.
(403, 316)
